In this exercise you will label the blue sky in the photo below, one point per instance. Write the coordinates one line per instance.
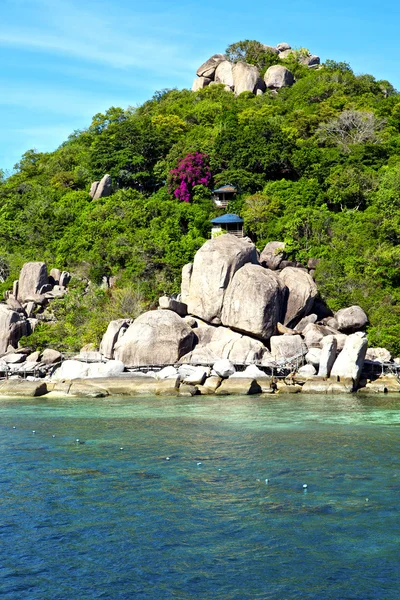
(65, 60)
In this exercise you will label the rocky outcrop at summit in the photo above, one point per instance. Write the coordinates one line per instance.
(224, 74)
(277, 77)
(200, 83)
(243, 77)
(208, 68)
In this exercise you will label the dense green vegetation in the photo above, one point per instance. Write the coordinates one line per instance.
(317, 165)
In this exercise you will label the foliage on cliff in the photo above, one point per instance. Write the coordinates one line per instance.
(317, 166)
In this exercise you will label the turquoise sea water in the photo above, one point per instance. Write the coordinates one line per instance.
(90, 520)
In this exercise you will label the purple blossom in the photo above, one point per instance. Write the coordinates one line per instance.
(192, 170)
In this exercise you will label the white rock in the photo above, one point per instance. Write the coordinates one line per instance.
(14, 358)
(313, 356)
(307, 371)
(167, 373)
(350, 361)
(251, 371)
(224, 368)
(111, 368)
(71, 369)
(192, 374)
(328, 355)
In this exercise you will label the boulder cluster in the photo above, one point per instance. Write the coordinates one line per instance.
(242, 77)
(24, 307)
(250, 308)
(245, 322)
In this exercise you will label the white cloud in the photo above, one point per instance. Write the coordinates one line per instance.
(131, 40)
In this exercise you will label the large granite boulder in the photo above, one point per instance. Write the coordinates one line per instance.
(215, 343)
(272, 255)
(245, 77)
(200, 83)
(328, 356)
(70, 369)
(32, 278)
(115, 331)
(50, 356)
(224, 74)
(214, 266)
(224, 368)
(185, 285)
(9, 328)
(350, 361)
(24, 389)
(111, 368)
(302, 292)
(156, 337)
(285, 348)
(351, 319)
(103, 188)
(260, 315)
(277, 77)
(208, 68)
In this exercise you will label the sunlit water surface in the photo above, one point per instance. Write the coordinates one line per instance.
(110, 517)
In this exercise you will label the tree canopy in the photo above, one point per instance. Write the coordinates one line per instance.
(317, 166)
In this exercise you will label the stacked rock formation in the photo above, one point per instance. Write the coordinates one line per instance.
(241, 318)
(237, 306)
(242, 77)
(22, 310)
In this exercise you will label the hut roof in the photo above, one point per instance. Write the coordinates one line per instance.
(229, 218)
(227, 188)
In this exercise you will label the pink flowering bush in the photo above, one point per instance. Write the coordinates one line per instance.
(192, 170)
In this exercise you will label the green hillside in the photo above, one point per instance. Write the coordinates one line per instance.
(317, 165)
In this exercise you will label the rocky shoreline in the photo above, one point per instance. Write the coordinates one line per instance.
(245, 322)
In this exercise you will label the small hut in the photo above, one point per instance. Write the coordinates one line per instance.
(223, 194)
(232, 224)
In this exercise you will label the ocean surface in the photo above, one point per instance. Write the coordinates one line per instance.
(200, 498)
